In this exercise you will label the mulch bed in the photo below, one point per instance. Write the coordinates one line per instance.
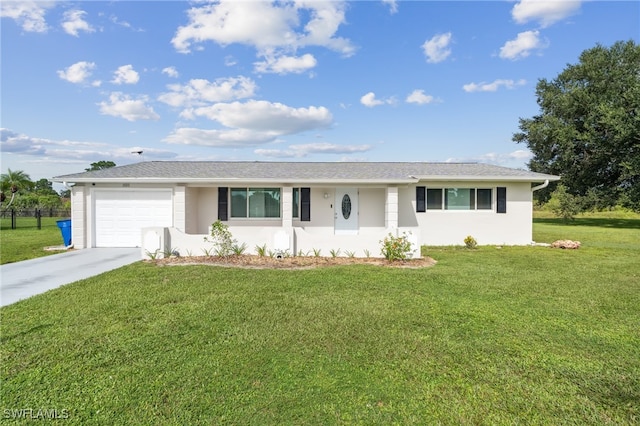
(292, 262)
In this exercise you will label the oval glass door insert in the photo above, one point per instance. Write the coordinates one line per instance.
(346, 206)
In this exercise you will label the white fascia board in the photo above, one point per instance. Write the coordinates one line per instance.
(440, 178)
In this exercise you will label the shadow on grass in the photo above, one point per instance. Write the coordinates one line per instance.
(596, 222)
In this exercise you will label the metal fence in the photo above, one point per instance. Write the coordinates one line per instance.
(38, 214)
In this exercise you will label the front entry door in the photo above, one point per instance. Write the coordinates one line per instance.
(346, 211)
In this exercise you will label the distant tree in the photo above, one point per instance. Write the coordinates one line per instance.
(588, 129)
(100, 165)
(15, 180)
(44, 187)
(65, 193)
(12, 182)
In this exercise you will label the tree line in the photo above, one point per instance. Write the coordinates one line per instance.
(588, 130)
(20, 192)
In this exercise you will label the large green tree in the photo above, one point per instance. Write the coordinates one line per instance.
(588, 128)
(99, 165)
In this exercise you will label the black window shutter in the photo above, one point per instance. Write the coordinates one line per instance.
(420, 199)
(501, 197)
(305, 204)
(223, 203)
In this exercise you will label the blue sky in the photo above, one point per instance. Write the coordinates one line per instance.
(86, 81)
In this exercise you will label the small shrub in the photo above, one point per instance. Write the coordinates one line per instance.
(563, 204)
(367, 253)
(316, 252)
(396, 248)
(350, 253)
(470, 242)
(239, 249)
(334, 253)
(261, 250)
(221, 238)
(153, 255)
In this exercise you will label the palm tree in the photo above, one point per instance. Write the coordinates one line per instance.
(14, 181)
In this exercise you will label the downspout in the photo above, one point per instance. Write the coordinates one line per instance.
(544, 185)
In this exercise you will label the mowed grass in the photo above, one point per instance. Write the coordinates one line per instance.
(512, 335)
(27, 241)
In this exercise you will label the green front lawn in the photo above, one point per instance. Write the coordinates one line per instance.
(27, 241)
(513, 335)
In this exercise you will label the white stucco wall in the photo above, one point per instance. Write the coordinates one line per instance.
(450, 227)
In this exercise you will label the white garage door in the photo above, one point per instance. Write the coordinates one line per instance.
(120, 215)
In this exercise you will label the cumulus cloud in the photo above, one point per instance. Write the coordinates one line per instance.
(522, 46)
(73, 151)
(265, 25)
(420, 98)
(78, 73)
(251, 123)
(493, 86)
(273, 118)
(218, 138)
(28, 14)
(393, 5)
(74, 22)
(171, 72)
(437, 47)
(303, 150)
(123, 106)
(125, 75)
(199, 92)
(369, 100)
(286, 64)
(544, 11)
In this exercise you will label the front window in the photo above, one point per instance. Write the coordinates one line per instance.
(255, 202)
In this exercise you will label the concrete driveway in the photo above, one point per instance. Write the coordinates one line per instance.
(21, 280)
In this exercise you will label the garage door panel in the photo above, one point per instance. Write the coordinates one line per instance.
(120, 215)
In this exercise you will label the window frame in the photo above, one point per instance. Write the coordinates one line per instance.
(436, 199)
(247, 208)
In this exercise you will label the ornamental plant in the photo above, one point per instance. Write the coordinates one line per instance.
(223, 242)
(396, 248)
(470, 242)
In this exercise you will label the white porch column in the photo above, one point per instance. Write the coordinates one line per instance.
(179, 208)
(391, 207)
(79, 217)
(287, 207)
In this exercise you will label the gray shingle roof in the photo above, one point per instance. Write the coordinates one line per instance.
(300, 172)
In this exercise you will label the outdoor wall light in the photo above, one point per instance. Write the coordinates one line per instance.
(326, 195)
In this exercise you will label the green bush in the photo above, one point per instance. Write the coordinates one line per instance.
(223, 242)
(396, 248)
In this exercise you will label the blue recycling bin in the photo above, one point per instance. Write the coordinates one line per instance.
(65, 229)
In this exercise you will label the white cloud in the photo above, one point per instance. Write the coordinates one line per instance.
(51, 151)
(28, 14)
(218, 138)
(286, 64)
(123, 106)
(369, 100)
(125, 75)
(420, 98)
(522, 46)
(263, 116)
(265, 25)
(493, 86)
(74, 22)
(544, 11)
(303, 150)
(171, 72)
(251, 123)
(199, 92)
(393, 5)
(437, 48)
(78, 73)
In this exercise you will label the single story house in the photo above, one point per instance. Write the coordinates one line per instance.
(301, 207)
